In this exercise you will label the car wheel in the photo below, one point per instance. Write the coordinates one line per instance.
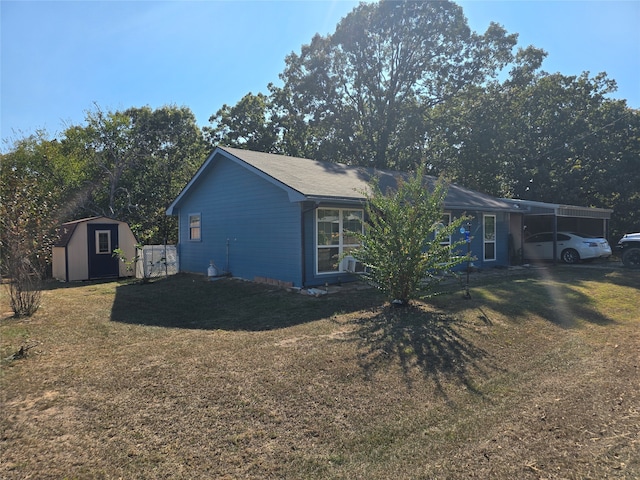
(570, 256)
(631, 258)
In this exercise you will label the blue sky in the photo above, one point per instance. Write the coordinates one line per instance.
(59, 58)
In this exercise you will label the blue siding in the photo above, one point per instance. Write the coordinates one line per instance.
(477, 240)
(477, 245)
(249, 226)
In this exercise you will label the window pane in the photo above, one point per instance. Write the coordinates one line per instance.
(103, 242)
(335, 236)
(351, 222)
(446, 220)
(328, 227)
(194, 227)
(328, 259)
(489, 228)
(490, 251)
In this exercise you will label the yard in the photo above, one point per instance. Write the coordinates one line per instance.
(536, 376)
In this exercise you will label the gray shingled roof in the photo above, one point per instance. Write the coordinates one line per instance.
(324, 181)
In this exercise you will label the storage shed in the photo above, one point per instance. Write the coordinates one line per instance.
(84, 250)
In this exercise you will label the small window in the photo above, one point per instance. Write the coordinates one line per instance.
(103, 242)
(446, 220)
(489, 237)
(194, 227)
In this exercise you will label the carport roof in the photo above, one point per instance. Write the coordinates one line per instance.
(530, 207)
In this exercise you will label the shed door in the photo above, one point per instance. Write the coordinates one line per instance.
(103, 240)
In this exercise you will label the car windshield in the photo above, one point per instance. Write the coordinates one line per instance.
(583, 235)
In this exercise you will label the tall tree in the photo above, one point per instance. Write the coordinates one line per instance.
(174, 149)
(476, 137)
(138, 160)
(544, 137)
(360, 94)
(32, 189)
(245, 125)
(107, 144)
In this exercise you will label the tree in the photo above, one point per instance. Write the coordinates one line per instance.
(109, 149)
(174, 148)
(31, 189)
(405, 246)
(137, 160)
(360, 95)
(544, 137)
(245, 125)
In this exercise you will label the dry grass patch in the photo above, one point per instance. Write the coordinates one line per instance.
(534, 377)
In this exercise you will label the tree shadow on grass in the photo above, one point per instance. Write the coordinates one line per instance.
(434, 344)
(554, 294)
(191, 301)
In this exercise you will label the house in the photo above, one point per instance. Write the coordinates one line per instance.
(84, 250)
(286, 220)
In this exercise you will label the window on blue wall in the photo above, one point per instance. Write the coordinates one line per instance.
(489, 235)
(335, 238)
(194, 226)
(446, 220)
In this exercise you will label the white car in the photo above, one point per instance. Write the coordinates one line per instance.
(571, 247)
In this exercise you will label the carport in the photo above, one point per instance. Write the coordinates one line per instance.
(539, 217)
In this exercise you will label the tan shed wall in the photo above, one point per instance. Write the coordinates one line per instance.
(59, 270)
(78, 256)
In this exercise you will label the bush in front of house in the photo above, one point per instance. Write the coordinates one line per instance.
(406, 246)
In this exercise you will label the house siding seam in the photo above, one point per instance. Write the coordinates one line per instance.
(248, 226)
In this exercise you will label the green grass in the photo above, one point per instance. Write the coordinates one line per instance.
(535, 376)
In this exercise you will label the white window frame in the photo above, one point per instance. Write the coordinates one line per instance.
(108, 234)
(191, 229)
(343, 265)
(489, 238)
(448, 217)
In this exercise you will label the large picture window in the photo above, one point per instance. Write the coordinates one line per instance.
(194, 227)
(489, 235)
(335, 227)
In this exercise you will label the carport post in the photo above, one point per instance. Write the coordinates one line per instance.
(555, 237)
(467, 237)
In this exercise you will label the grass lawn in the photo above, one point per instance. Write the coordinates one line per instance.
(536, 376)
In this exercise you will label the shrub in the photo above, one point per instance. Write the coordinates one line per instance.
(405, 247)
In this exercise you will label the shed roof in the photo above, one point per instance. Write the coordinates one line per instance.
(66, 230)
(306, 179)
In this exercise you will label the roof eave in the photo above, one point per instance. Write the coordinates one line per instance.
(335, 199)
